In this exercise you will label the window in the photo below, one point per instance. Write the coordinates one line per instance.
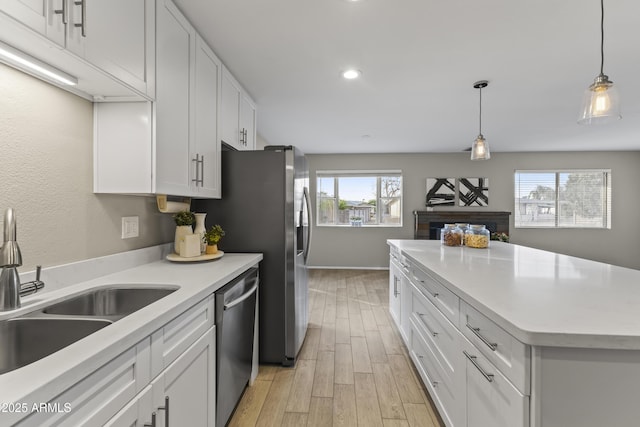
(563, 199)
(359, 198)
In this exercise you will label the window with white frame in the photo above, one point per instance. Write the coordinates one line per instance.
(359, 198)
(563, 199)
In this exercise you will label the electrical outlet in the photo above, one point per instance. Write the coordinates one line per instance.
(130, 227)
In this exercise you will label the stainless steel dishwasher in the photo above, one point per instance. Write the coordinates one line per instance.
(235, 320)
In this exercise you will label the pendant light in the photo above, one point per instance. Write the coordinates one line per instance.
(601, 104)
(480, 148)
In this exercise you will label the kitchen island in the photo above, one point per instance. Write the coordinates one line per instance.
(515, 336)
(125, 371)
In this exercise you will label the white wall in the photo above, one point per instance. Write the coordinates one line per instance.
(46, 175)
(366, 247)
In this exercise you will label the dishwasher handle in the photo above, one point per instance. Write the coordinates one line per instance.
(241, 297)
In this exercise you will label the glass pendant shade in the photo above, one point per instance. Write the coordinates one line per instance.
(480, 149)
(601, 103)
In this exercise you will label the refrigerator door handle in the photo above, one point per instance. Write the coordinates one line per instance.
(305, 192)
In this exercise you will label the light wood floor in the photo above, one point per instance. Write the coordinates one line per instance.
(353, 369)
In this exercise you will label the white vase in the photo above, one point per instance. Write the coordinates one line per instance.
(181, 231)
(201, 229)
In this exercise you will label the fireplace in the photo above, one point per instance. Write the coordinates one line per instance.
(427, 224)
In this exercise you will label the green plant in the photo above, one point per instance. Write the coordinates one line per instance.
(184, 218)
(214, 234)
(501, 237)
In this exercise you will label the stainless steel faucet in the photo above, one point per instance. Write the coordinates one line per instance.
(10, 259)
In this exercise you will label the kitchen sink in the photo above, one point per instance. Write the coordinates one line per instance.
(26, 340)
(112, 302)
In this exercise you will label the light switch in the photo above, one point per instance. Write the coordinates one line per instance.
(129, 227)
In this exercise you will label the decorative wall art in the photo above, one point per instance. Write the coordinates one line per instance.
(441, 192)
(473, 191)
(457, 191)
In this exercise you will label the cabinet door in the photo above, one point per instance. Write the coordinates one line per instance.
(208, 75)
(491, 399)
(116, 36)
(230, 110)
(43, 16)
(247, 123)
(174, 39)
(394, 291)
(188, 386)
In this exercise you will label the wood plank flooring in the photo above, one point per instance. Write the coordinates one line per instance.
(353, 368)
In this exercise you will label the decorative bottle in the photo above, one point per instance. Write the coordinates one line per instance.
(201, 229)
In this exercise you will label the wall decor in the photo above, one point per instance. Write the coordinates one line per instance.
(473, 191)
(441, 192)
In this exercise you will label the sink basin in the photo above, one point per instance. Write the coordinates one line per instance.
(24, 341)
(114, 302)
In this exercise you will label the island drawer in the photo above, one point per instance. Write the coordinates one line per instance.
(509, 355)
(441, 389)
(440, 334)
(446, 301)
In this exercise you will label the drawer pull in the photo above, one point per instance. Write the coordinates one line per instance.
(433, 334)
(476, 332)
(472, 359)
(434, 384)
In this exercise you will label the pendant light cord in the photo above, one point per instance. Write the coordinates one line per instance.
(480, 120)
(601, 37)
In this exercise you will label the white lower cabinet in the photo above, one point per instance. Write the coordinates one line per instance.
(188, 386)
(174, 366)
(93, 400)
(491, 399)
(476, 373)
(181, 395)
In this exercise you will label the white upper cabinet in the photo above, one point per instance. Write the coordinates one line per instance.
(248, 121)
(47, 17)
(237, 115)
(175, 38)
(170, 146)
(101, 40)
(206, 144)
(116, 36)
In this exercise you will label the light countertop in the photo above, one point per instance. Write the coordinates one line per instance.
(540, 297)
(42, 380)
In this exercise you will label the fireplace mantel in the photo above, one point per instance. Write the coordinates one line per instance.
(427, 224)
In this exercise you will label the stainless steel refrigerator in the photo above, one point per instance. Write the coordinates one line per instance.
(265, 207)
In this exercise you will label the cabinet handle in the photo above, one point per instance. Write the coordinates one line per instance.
(472, 359)
(202, 171)
(246, 139)
(199, 179)
(165, 408)
(62, 12)
(153, 421)
(82, 24)
(433, 334)
(476, 332)
(395, 287)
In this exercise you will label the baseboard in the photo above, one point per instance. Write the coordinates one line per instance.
(328, 267)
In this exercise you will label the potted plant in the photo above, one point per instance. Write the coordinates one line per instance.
(213, 236)
(184, 225)
(356, 221)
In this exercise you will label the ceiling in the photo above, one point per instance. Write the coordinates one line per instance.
(419, 60)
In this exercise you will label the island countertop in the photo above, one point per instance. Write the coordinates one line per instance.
(541, 298)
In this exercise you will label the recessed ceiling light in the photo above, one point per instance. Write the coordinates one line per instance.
(351, 74)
